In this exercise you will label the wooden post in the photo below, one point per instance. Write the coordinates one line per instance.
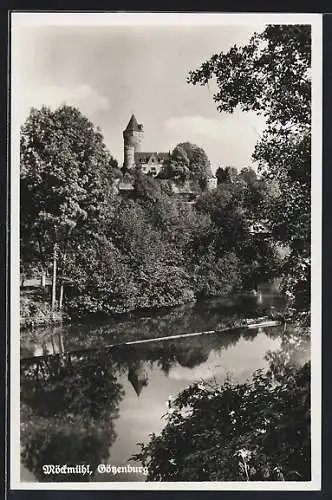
(44, 347)
(55, 256)
(61, 346)
(43, 280)
(61, 297)
(62, 286)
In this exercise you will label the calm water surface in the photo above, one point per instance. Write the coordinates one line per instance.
(80, 404)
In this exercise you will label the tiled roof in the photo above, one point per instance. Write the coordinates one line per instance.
(145, 156)
(133, 125)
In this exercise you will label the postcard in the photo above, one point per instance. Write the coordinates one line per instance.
(165, 192)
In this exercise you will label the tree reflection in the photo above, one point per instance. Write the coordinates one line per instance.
(53, 441)
(205, 315)
(186, 352)
(69, 401)
(68, 406)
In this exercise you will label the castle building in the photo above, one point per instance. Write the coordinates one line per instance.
(150, 163)
(132, 139)
(212, 183)
(146, 162)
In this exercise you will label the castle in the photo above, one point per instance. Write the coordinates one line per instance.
(147, 162)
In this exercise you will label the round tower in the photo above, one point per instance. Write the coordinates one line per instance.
(132, 140)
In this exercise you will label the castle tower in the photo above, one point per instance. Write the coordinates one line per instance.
(132, 139)
(138, 376)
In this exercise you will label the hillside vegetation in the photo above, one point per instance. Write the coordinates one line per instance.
(116, 254)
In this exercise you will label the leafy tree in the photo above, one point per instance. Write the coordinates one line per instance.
(234, 208)
(156, 204)
(177, 166)
(230, 225)
(271, 76)
(66, 180)
(187, 162)
(255, 190)
(104, 283)
(199, 164)
(226, 174)
(254, 431)
(217, 276)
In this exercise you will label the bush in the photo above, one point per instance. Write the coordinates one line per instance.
(34, 313)
(259, 430)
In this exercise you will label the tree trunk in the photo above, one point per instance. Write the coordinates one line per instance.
(62, 286)
(61, 347)
(55, 256)
(53, 346)
(43, 280)
(61, 297)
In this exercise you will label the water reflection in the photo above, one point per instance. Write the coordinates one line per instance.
(204, 315)
(78, 408)
(68, 407)
(138, 376)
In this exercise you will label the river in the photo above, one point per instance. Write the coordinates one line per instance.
(85, 402)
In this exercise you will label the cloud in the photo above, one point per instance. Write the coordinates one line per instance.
(227, 139)
(195, 125)
(83, 96)
(214, 128)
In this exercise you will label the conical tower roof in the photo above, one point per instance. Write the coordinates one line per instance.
(138, 377)
(133, 125)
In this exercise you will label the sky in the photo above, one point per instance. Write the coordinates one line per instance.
(110, 72)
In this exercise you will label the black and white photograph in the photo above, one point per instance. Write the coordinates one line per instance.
(165, 251)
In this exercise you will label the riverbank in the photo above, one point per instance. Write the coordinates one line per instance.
(35, 311)
(209, 315)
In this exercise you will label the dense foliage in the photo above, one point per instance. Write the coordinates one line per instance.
(150, 249)
(258, 431)
(155, 251)
(271, 76)
(187, 162)
(65, 181)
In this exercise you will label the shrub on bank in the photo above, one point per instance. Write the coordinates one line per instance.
(35, 312)
(256, 431)
(150, 251)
